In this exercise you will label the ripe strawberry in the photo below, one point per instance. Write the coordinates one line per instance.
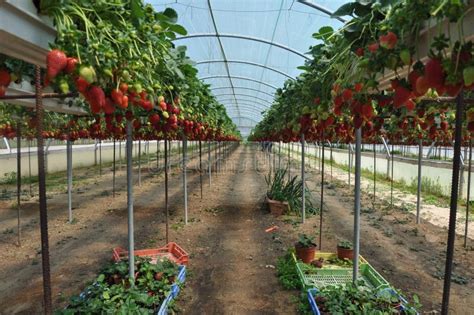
(388, 41)
(373, 47)
(443, 125)
(56, 61)
(81, 85)
(116, 96)
(3, 90)
(338, 101)
(5, 78)
(410, 105)
(359, 51)
(96, 97)
(118, 118)
(394, 83)
(367, 111)
(124, 103)
(422, 85)
(358, 87)
(401, 95)
(109, 107)
(434, 73)
(358, 121)
(347, 94)
(123, 87)
(71, 65)
(154, 119)
(163, 105)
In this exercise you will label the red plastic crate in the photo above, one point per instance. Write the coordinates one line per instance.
(172, 251)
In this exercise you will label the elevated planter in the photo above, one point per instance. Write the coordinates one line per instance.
(277, 208)
(24, 34)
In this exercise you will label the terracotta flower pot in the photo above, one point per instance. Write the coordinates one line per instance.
(343, 253)
(305, 254)
(277, 208)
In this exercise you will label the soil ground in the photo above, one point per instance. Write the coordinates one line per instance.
(232, 258)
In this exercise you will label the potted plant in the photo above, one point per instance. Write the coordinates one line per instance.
(345, 250)
(276, 195)
(305, 248)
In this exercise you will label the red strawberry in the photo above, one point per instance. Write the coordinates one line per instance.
(410, 105)
(359, 51)
(453, 90)
(124, 87)
(163, 105)
(373, 47)
(394, 83)
(118, 118)
(154, 119)
(443, 125)
(367, 111)
(96, 97)
(358, 87)
(388, 41)
(347, 95)
(117, 96)
(3, 90)
(81, 85)
(109, 106)
(401, 95)
(434, 73)
(412, 77)
(422, 86)
(5, 78)
(56, 61)
(71, 65)
(358, 121)
(124, 103)
(338, 101)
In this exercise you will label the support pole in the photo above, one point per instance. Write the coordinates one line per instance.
(166, 188)
(209, 162)
(185, 183)
(100, 157)
(453, 204)
(113, 173)
(29, 167)
(375, 174)
(322, 197)
(418, 191)
(18, 179)
(69, 178)
(139, 162)
(391, 177)
(468, 197)
(200, 166)
(48, 309)
(350, 164)
(355, 271)
(131, 241)
(303, 197)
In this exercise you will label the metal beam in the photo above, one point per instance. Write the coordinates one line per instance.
(241, 87)
(247, 63)
(224, 57)
(237, 77)
(322, 9)
(236, 36)
(247, 95)
(248, 103)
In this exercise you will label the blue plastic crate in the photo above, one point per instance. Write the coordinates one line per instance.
(314, 306)
(180, 279)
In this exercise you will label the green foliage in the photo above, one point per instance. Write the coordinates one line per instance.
(306, 241)
(345, 244)
(289, 190)
(359, 299)
(112, 292)
(287, 273)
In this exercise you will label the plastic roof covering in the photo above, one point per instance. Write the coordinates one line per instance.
(256, 68)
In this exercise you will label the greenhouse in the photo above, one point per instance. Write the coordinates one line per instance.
(236, 157)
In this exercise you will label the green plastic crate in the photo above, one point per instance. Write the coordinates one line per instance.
(319, 278)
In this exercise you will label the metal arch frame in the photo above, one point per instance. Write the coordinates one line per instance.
(322, 9)
(256, 39)
(246, 63)
(247, 109)
(246, 95)
(243, 117)
(241, 87)
(238, 77)
(246, 102)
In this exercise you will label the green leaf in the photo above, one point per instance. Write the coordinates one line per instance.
(178, 29)
(171, 14)
(137, 9)
(345, 9)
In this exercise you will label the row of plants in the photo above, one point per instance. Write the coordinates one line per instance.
(372, 74)
(284, 194)
(118, 56)
(113, 293)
